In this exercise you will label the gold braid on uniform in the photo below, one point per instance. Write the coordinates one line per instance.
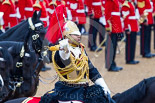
(80, 65)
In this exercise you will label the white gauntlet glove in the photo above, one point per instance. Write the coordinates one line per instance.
(64, 51)
(102, 83)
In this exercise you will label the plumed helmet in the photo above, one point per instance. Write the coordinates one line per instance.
(70, 28)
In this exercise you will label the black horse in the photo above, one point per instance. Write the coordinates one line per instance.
(6, 65)
(25, 78)
(143, 92)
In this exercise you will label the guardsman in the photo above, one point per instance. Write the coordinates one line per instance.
(146, 19)
(114, 29)
(25, 9)
(95, 13)
(39, 5)
(10, 17)
(131, 28)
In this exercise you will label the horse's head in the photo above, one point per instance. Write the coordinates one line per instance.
(38, 24)
(5, 69)
(38, 31)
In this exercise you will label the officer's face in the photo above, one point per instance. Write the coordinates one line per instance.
(75, 37)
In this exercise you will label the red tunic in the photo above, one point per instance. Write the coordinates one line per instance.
(94, 6)
(129, 16)
(81, 12)
(25, 9)
(10, 16)
(145, 6)
(112, 15)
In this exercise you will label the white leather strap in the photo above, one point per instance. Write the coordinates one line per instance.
(31, 24)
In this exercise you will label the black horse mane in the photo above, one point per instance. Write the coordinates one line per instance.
(15, 46)
(17, 33)
(7, 56)
(135, 93)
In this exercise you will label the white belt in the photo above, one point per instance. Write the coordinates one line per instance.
(44, 19)
(132, 17)
(28, 9)
(148, 10)
(96, 3)
(116, 13)
(50, 11)
(13, 15)
(80, 11)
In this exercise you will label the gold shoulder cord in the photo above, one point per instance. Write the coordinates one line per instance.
(80, 65)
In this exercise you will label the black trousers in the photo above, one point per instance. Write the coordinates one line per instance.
(95, 27)
(145, 39)
(130, 46)
(110, 51)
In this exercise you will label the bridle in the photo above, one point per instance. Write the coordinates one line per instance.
(36, 40)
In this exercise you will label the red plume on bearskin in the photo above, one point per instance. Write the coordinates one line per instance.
(56, 23)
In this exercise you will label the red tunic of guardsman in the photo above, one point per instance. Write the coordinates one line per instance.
(81, 13)
(144, 6)
(73, 6)
(94, 6)
(112, 15)
(129, 16)
(39, 5)
(10, 17)
(25, 9)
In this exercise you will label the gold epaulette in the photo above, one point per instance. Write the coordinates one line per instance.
(126, 4)
(6, 2)
(37, 4)
(54, 48)
(141, 4)
(52, 3)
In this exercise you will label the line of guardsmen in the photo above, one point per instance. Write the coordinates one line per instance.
(113, 17)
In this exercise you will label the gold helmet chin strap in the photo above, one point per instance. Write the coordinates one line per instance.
(74, 41)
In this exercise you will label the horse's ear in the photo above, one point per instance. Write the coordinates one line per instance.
(10, 50)
(34, 15)
(39, 14)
